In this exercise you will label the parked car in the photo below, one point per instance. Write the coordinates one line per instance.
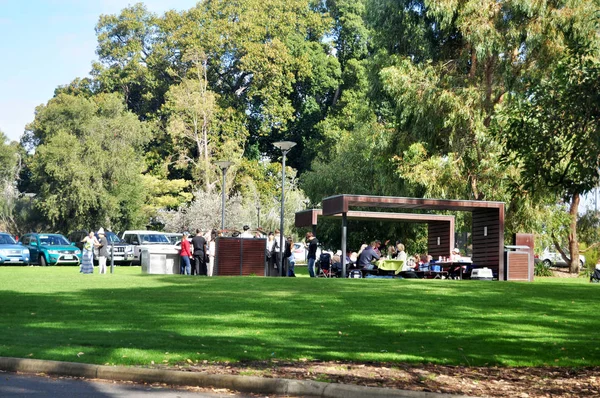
(50, 249)
(551, 257)
(123, 251)
(152, 240)
(12, 252)
(300, 252)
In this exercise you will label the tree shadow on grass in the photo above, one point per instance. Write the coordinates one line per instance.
(191, 320)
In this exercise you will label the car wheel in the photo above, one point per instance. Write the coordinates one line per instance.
(43, 262)
(547, 263)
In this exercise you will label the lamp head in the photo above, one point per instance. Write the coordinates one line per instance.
(284, 145)
(223, 164)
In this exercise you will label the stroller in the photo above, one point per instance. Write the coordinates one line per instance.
(326, 269)
(595, 277)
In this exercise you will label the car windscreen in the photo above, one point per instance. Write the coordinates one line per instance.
(154, 238)
(174, 238)
(6, 239)
(111, 237)
(53, 240)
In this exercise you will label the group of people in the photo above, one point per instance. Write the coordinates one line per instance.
(90, 243)
(197, 255)
(276, 257)
(373, 252)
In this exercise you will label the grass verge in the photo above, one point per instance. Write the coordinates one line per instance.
(129, 318)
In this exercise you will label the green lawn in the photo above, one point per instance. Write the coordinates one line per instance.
(130, 318)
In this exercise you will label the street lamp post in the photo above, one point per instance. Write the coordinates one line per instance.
(285, 147)
(223, 165)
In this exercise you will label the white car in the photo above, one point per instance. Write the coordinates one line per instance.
(300, 251)
(551, 257)
(153, 240)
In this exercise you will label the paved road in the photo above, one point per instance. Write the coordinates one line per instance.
(14, 385)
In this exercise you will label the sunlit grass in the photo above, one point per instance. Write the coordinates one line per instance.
(130, 318)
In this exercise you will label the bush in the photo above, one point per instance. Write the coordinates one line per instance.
(591, 258)
(541, 270)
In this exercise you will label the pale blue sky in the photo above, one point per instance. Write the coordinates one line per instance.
(47, 43)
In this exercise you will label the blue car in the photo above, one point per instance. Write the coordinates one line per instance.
(51, 249)
(11, 252)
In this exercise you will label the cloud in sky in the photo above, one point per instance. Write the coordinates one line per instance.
(47, 43)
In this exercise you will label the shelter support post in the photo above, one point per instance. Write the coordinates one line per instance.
(344, 230)
(488, 239)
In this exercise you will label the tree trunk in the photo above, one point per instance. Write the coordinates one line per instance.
(573, 244)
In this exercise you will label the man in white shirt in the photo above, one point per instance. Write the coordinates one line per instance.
(277, 249)
(246, 233)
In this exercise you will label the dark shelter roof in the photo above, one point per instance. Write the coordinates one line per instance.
(307, 218)
(342, 203)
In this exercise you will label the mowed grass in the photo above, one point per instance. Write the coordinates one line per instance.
(129, 318)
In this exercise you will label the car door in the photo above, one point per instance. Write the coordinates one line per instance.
(31, 242)
(133, 239)
(557, 258)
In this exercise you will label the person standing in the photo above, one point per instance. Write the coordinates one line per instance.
(277, 251)
(185, 253)
(87, 258)
(313, 243)
(246, 233)
(269, 254)
(199, 252)
(288, 258)
(102, 251)
(212, 250)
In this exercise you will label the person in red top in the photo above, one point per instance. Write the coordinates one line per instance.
(185, 254)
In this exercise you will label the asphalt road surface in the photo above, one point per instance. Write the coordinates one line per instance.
(18, 385)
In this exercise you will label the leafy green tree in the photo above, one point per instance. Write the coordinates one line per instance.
(198, 127)
(10, 167)
(551, 131)
(274, 75)
(87, 167)
(588, 227)
(131, 60)
(192, 109)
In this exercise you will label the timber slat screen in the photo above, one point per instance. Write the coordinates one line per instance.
(488, 243)
(528, 240)
(518, 266)
(240, 256)
(440, 239)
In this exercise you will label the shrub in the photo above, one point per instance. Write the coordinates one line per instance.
(541, 270)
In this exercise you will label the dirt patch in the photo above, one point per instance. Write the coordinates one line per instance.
(473, 381)
(563, 273)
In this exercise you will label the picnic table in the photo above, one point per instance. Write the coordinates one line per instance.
(388, 266)
(385, 264)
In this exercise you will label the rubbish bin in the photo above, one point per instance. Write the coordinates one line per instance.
(517, 264)
(160, 261)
